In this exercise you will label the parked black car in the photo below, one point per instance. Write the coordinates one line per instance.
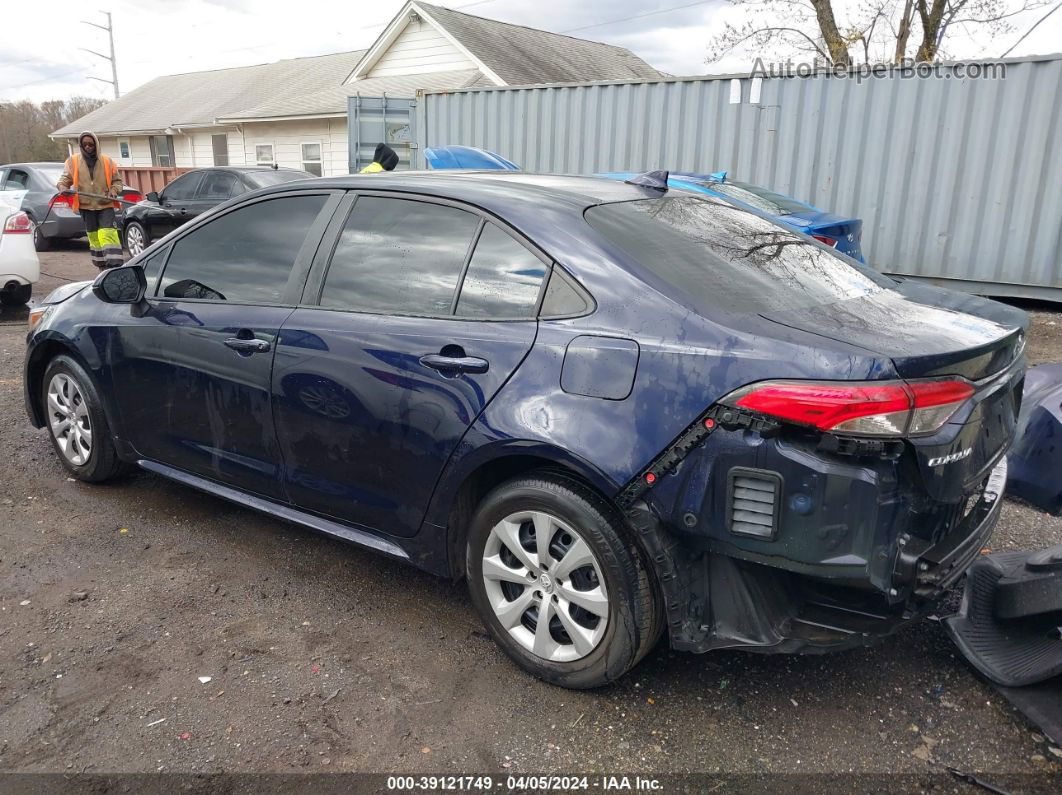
(53, 216)
(194, 193)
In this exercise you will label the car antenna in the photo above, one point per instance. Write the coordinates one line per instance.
(657, 180)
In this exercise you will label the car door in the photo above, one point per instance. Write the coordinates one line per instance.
(175, 207)
(386, 364)
(191, 374)
(216, 187)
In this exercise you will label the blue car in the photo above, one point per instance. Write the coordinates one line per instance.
(619, 412)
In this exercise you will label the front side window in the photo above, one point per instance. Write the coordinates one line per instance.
(217, 185)
(311, 158)
(724, 257)
(399, 257)
(503, 279)
(152, 266)
(263, 154)
(244, 256)
(183, 188)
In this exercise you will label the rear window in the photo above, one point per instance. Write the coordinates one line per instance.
(753, 195)
(724, 257)
(263, 179)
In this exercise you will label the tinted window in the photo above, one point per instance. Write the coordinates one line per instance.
(722, 256)
(562, 299)
(755, 196)
(152, 265)
(17, 180)
(216, 185)
(503, 278)
(245, 255)
(262, 179)
(182, 188)
(399, 257)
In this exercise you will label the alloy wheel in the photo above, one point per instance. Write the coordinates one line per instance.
(134, 240)
(545, 586)
(68, 419)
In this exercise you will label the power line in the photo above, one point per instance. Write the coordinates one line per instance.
(639, 16)
(1030, 30)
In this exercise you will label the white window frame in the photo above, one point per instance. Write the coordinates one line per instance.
(320, 159)
(272, 153)
(126, 159)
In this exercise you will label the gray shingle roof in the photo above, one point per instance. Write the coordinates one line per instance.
(200, 97)
(524, 56)
(334, 98)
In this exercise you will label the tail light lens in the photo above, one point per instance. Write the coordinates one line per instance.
(132, 196)
(868, 408)
(61, 200)
(18, 224)
(829, 241)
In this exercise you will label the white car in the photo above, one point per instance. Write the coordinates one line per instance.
(19, 266)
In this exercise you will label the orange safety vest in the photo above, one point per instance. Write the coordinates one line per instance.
(73, 168)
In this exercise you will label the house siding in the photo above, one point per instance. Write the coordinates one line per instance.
(287, 138)
(420, 48)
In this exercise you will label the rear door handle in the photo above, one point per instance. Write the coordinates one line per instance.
(455, 364)
(247, 346)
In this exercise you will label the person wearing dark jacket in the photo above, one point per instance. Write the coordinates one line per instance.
(88, 171)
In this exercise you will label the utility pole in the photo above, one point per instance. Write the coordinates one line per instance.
(114, 63)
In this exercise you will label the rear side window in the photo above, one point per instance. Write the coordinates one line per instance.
(503, 279)
(217, 185)
(727, 258)
(245, 256)
(399, 257)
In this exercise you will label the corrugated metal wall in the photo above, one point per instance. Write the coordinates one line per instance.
(957, 179)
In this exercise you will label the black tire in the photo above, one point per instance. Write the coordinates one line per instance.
(137, 229)
(40, 241)
(17, 297)
(102, 462)
(634, 616)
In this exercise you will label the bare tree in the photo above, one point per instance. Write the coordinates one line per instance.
(868, 31)
(24, 127)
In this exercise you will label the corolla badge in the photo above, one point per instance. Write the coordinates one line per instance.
(950, 458)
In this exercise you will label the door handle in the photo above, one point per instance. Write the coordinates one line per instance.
(455, 364)
(247, 346)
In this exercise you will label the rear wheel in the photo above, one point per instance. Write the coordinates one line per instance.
(557, 583)
(40, 241)
(16, 296)
(136, 238)
(76, 423)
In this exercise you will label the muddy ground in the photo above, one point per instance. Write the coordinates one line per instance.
(116, 601)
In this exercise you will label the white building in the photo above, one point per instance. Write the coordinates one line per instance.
(294, 112)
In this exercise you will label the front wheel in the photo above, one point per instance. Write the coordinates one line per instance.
(558, 584)
(136, 238)
(76, 422)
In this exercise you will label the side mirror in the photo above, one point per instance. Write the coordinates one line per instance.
(152, 197)
(125, 285)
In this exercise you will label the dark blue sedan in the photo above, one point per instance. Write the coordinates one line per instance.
(619, 412)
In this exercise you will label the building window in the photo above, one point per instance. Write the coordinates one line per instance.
(162, 151)
(220, 145)
(123, 149)
(311, 158)
(263, 154)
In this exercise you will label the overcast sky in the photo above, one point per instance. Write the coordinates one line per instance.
(157, 37)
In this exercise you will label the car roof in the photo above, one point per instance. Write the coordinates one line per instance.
(32, 165)
(488, 188)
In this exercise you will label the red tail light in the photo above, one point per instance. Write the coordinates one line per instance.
(132, 195)
(867, 408)
(62, 200)
(829, 241)
(18, 224)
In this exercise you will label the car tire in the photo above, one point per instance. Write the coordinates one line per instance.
(18, 296)
(136, 238)
(602, 611)
(40, 241)
(77, 425)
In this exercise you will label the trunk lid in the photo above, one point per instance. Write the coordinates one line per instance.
(929, 332)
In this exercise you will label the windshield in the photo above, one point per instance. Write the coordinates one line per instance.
(263, 179)
(762, 199)
(729, 258)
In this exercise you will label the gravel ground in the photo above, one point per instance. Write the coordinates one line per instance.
(118, 601)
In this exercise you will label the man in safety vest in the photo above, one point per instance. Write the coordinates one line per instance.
(88, 171)
(384, 159)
